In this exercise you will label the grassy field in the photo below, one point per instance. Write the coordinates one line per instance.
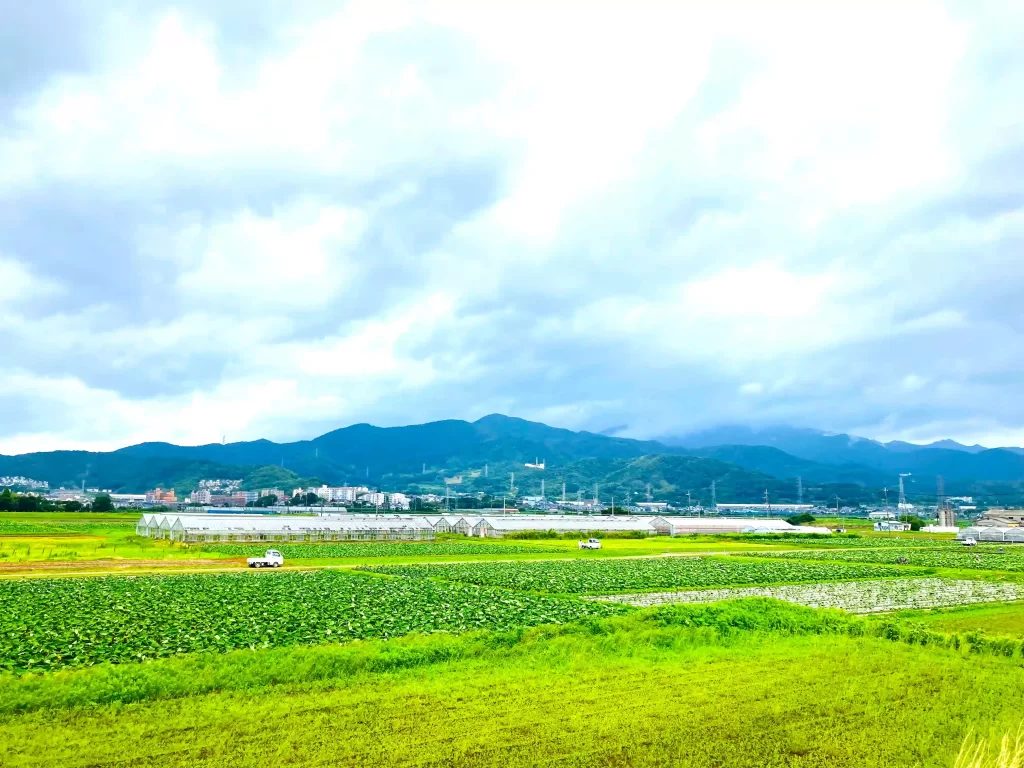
(635, 691)
(1005, 619)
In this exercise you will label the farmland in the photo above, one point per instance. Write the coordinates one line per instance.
(988, 559)
(377, 549)
(994, 620)
(852, 596)
(609, 576)
(55, 623)
(493, 646)
(782, 692)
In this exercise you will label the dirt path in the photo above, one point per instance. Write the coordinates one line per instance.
(77, 565)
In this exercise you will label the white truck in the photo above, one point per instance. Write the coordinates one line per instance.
(272, 559)
(589, 544)
(970, 542)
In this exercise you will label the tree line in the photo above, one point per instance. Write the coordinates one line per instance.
(28, 502)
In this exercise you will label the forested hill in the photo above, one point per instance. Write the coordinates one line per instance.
(485, 453)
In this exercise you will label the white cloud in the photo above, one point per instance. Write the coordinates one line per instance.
(653, 216)
(18, 284)
(297, 257)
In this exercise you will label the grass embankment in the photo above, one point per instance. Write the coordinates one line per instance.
(755, 683)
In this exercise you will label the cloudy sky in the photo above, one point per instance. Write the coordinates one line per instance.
(238, 218)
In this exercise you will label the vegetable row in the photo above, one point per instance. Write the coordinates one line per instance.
(596, 577)
(853, 596)
(55, 623)
(977, 559)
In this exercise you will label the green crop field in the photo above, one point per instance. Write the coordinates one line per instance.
(375, 549)
(744, 686)
(54, 623)
(498, 660)
(600, 577)
(976, 559)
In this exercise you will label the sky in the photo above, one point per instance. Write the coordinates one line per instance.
(243, 220)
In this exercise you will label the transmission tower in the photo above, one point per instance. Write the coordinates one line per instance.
(542, 488)
(799, 490)
(512, 484)
(595, 493)
(714, 499)
(940, 495)
(485, 470)
(648, 493)
(563, 493)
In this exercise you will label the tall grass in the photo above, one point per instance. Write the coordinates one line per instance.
(980, 754)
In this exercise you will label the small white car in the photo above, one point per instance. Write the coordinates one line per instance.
(272, 559)
(589, 544)
(969, 542)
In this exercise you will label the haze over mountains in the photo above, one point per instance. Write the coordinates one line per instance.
(742, 461)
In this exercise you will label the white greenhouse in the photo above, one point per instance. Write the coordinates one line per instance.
(277, 528)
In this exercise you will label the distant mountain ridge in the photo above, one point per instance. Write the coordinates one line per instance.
(948, 458)
(488, 451)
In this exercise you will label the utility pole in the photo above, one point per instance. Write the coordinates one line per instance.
(767, 504)
(903, 496)
(837, 505)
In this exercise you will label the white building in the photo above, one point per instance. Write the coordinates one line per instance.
(201, 496)
(374, 498)
(892, 526)
(128, 499)
(398, 501)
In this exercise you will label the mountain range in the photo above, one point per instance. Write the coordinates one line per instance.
(742, 461)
